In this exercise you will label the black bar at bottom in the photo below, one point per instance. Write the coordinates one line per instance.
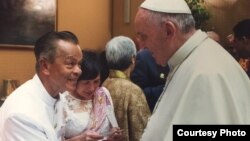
(211, 132)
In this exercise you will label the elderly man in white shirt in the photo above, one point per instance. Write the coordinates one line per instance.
(33, 111)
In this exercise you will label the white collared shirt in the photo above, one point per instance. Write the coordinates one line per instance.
(30, 113)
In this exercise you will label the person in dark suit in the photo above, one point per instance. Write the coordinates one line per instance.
(150, 76)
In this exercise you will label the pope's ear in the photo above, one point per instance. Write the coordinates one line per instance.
(169, 29)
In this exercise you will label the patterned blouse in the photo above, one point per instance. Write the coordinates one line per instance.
(130, 105)
(82, 115)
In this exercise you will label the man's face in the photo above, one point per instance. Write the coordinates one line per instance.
(243, 47)
(150, 36)
(65, 70)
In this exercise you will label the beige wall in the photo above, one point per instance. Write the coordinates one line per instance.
(119, 26)
(16, 64)
(90, 20)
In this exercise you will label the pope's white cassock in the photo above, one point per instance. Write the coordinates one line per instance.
(205, 86)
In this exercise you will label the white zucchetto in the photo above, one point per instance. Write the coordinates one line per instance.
(167, 6)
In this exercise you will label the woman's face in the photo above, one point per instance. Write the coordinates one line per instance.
(85, 88)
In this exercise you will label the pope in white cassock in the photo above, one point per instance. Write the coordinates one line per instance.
(205, 86)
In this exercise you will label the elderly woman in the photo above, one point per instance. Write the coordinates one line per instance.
(131, 108)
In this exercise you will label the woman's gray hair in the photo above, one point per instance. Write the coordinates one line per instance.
(119, 52)
(185, 22)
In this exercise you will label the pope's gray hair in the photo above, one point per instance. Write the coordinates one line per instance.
(184, 21)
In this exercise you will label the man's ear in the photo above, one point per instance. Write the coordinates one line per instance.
(44, 66)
